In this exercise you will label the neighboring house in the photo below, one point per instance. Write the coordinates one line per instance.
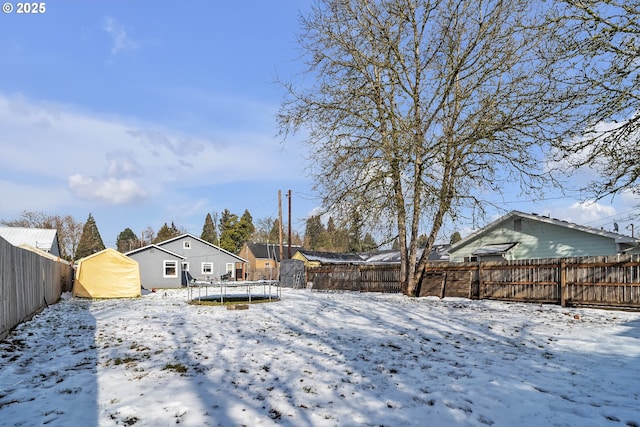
(159, 267)
(317, 258)
(41, 238)
(518, 235)
(391, 256)
(263, 259)
(204, 260)
(261, 255)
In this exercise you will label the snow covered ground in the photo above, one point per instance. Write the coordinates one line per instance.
(321, 359)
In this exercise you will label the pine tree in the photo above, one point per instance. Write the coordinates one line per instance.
(315, 233)
(209, 233)
(127, 241)
(274, 233)
(166, 233)
(245, 230)
(90, 240)
(228, 225)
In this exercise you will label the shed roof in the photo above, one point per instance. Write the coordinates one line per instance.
(331, 257)
(40, 238)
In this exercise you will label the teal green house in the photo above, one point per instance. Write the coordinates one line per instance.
(517, 236)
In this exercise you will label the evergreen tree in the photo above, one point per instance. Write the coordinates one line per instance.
(209, 233)
(166, 233)
(274, 233)
(455, 238)
(90, 240)
(244, 230)
(368, 243)
(356, 241)
(315, 233)
(228, 228)
(127, 241)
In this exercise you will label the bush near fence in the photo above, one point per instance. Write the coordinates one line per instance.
(28, 282)
(612, 281)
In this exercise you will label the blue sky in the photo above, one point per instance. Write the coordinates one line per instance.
(145, 112)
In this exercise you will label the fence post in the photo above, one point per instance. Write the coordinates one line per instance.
(443, 284)
(563, 283)
(480, 290)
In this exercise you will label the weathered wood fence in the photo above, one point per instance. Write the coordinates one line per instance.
(363, 278)
(28, 282)
(612, 281)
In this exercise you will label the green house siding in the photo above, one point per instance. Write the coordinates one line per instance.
(537, 239)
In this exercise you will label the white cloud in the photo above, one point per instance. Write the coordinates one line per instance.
(589, 213)
(111, 191)
(119, 37)
(100, 158)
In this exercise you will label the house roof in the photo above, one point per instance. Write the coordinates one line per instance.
(269, 250)
(191, 236)
(438, 253)
(40, 238)
(145, 248)
(331, 257)
(618, 238)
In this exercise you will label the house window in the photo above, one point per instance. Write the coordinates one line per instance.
(186, 244)
(207, 268)
(231, 268)
(170, 269)
(470, 259)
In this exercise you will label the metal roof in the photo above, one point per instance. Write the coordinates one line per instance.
(40, 238)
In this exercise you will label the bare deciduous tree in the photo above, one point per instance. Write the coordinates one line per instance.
(601, 43)
(419, 107)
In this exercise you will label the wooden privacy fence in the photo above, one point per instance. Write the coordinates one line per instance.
(363, 278)
(612, 281)
(28, 282)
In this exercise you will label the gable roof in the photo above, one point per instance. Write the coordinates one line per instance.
(152, 246)
(40, 238)
(269, 250)
(191, 236)
(618, 238)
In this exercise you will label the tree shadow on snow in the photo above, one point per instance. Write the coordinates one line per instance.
(48, 370)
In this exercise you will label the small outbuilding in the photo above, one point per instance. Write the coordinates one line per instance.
(107, 274)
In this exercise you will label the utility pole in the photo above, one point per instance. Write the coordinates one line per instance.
(289, 225)
(280, 221)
